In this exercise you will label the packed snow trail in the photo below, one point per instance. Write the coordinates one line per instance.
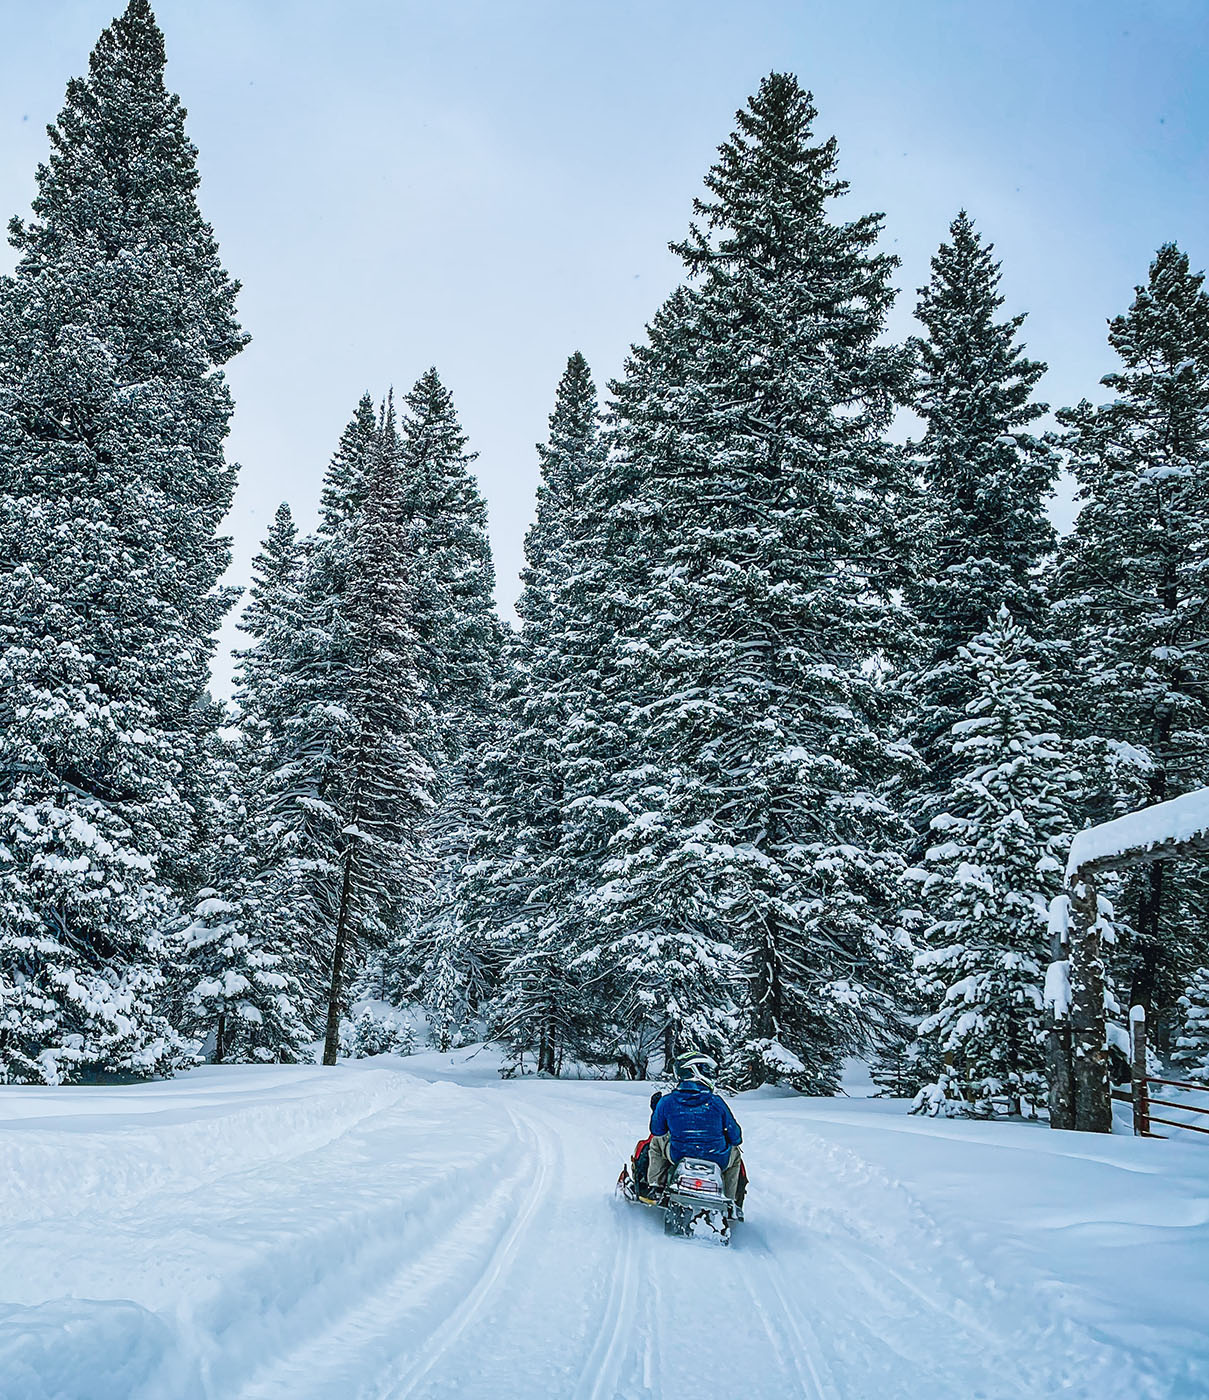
(419, 1228)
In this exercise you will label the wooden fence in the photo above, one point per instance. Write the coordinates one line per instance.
(1139, 1092)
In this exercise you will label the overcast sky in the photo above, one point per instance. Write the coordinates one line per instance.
(487, 186)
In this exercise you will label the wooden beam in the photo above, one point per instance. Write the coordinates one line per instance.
(1129, 860)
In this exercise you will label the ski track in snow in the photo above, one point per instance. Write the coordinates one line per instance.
(401, 1239)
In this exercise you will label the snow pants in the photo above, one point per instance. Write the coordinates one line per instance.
(660, 1164)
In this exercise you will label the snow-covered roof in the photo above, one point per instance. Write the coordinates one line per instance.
(1183, 819)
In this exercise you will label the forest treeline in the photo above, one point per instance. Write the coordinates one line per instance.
(783, 759)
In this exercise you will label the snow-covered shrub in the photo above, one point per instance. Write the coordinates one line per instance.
(1192, 1043)
(376, 1031)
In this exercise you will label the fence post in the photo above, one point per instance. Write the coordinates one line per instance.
(1141, 1094)
(1093, 1089)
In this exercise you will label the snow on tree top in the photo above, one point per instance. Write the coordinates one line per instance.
(1181, 819)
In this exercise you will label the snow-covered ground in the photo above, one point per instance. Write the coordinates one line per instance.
(420, 1228)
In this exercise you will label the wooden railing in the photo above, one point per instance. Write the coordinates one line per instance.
(1139, 1092)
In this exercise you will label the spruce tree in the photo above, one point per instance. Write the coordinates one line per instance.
(997, 862)
(267, 622)
(766, 499)
(291, 683)
(984, 531)
(525, 882)
(339, 724)
(113, 484)
(458, 635)
(382, 731)
(1132, 586)
(1192, 1042)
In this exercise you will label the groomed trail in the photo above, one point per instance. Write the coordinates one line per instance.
(422, 1228)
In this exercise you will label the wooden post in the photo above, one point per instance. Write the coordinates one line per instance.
(1141, 1093)
(1093, 1089)
(1058, 1042)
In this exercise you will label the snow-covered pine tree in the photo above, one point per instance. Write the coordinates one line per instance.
(459, 640)
(1132, 587)
(1192, 1042)
(243, 1000)
(984, 532)
(113, 484)
(290, 689)
(982, 528)
(382, 729)
(275, 578)
(767, 505)
(240, 986)
(454, 576)
(997, 862)
(522, 888)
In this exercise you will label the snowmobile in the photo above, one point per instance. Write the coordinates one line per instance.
(693, 1202)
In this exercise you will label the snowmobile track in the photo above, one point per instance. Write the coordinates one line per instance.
(781, 1322)
(603, 1364)
(504, 1254)
(364, 1338)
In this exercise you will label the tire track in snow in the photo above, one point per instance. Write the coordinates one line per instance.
(603, 1364)
(443, 1338)
(342, 1358)
(804, 1352)
(891, 1281)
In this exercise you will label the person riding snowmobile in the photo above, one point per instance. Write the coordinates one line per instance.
(641, 1157)
(693, 1121)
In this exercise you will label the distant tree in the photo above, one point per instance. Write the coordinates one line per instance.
(1192, 1043)
(458, 635)
(382, 783)
(290, 688)
(523, 888)
(984, 529)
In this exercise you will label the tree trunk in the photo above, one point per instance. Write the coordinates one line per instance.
(220, 1038)
(331, 1042)
(1093, 1091)
(764, 998)
(1058, 1053)
(1146, 965)
(545, 1048)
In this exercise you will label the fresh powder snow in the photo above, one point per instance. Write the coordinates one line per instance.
(420, 1227)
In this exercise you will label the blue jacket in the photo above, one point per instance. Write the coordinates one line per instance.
(698, 1122)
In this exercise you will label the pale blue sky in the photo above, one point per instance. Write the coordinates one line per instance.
(489, 186)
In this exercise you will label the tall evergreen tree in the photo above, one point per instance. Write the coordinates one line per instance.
(982, 529)
(1133, 595)
(765, 500)
(289, 684)
(382, 739)
(524, 885)
(459, 641)
(985, 477)
(336, 680)
(113, 484)
(276, 573)
(997, 863)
